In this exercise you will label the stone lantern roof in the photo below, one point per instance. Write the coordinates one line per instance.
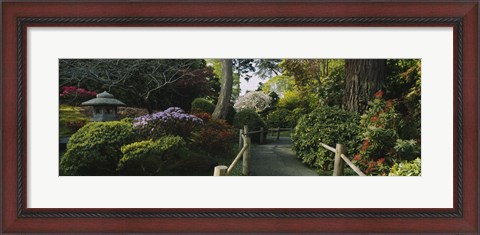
(104, 99)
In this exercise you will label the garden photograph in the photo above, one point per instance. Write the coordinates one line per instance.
(239, 117)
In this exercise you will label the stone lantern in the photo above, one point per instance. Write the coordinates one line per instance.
(104, 107)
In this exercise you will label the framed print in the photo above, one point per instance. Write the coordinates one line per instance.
(69, 60)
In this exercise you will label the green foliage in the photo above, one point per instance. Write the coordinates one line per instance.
(290, 100)
(201, 105)
(407, 168)
(407, 149)
(279, 84)
(71, 119)
(148, 157)
(329, 125)
(297, 113)
(382, 147)
(379, 124)
(95, 149)
(248, 117)
(320, 81)
(281, 118)
(403, 84)
(252, 119)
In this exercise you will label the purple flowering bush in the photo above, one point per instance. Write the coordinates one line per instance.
(172, 121)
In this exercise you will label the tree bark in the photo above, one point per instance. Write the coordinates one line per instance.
(363, 77)
(221, 109)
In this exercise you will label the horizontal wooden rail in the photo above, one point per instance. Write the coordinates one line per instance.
(328, 147)
(339, 154)
(245, 152)
(237, 158)
(279, 129)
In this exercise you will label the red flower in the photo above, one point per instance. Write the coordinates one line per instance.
(365, 145)
(388, 105)
(374, 119)
(380, 161)
(356, 157)
(378, 94)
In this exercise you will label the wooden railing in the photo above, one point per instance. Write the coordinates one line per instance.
(340, 158)
(263, 133)
(244, 152)
(244, 143)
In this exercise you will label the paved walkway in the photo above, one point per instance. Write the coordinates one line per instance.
(276, 158)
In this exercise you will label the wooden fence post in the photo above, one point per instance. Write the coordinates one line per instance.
(261, 135)
(246, 154)
(240, 140)
(278, 133)
(220, 171)
(338, 164)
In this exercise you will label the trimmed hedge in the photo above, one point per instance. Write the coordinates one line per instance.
(148, 157)
(201, 105)
(94, 149)
(329, 125)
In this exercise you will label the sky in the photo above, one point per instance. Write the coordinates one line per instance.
(251, 85)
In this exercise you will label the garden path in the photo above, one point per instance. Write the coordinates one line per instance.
(276, 158)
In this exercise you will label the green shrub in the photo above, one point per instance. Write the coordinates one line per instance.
(252, 119)
(329, 125)
(248, 117)
(280, 118)
(379, 125)
(201, 105)
(406, 149)
(407, 168)
(290, 100)
(95, 149)
(149, 157)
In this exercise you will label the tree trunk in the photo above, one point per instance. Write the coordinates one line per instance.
(221, 109)
(363, 77)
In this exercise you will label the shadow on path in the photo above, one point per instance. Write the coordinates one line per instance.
(276, 158)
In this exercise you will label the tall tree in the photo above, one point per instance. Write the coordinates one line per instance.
(217, 69)
(363, 77)
(221, 109)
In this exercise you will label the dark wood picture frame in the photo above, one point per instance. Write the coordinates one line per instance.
(462, 16)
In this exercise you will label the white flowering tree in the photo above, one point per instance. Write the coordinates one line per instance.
(255, 100)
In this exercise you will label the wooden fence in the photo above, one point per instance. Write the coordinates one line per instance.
(263, 134)
(244, 143)
(244, 152)
(340, 158)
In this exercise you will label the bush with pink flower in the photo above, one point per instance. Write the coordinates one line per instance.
(75, 95)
